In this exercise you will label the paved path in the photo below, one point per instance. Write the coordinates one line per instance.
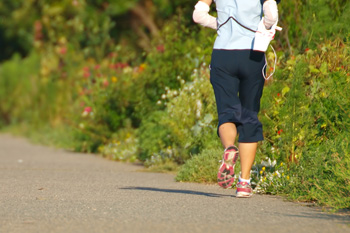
(49, 190)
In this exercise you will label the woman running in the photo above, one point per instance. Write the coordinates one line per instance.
(236, 74)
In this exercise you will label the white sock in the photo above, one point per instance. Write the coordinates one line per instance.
(243, 180)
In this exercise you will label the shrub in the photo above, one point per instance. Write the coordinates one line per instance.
(18, 89)
(322, 174)
(188, 124)
(201, 168)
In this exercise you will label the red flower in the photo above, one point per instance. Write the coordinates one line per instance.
(119, 65)
(280, 131)
(86, 74)
(160, 48)
(112, 54)
(278, 94)
(63, 50)
(105, 83)
(88, 109)
(97, 67)
(307, 49)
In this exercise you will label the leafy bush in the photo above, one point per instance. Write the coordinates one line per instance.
(186, 126)
(305, 123)
(308, 23)
(322, 174)
(201, 168)
(18, 89)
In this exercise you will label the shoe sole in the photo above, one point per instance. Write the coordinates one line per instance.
(243, 194)
(226, 174)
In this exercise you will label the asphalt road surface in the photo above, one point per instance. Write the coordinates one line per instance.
(51, 190)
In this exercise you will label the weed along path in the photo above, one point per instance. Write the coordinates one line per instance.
(49, 190)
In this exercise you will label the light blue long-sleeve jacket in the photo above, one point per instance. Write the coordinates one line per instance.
(232, 36)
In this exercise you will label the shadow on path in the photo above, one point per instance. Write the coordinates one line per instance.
(178, 191)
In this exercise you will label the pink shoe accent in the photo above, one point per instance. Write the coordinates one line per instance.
(226, 174)
(244, 190)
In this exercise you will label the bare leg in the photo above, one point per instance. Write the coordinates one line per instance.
(228, 133)
(247, 153)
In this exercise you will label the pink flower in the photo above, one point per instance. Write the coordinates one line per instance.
(86, 74)
(105, 83)
(63, 50)
(112, 54)
(160, 48)
(88, 109)
(119, 65)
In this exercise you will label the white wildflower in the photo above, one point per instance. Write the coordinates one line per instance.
(199, 108)
(274, 163)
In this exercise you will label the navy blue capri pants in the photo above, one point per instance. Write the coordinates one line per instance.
(237, 80)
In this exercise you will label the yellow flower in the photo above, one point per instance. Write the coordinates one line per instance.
(263, 168)
(114, 79)
(287, 177)
(281, 164)
(261, 172)
(142, 67)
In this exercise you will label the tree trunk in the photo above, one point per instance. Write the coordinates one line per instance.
(146, 17)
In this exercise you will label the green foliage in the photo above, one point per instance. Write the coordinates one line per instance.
(16, 25)
(323, 174)
(122, 147)
(305, 125)
(119, 94)
(177, 133)
(154, 135)
(308, 23)
(18, 89)
(174, 56)
(201, 168)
